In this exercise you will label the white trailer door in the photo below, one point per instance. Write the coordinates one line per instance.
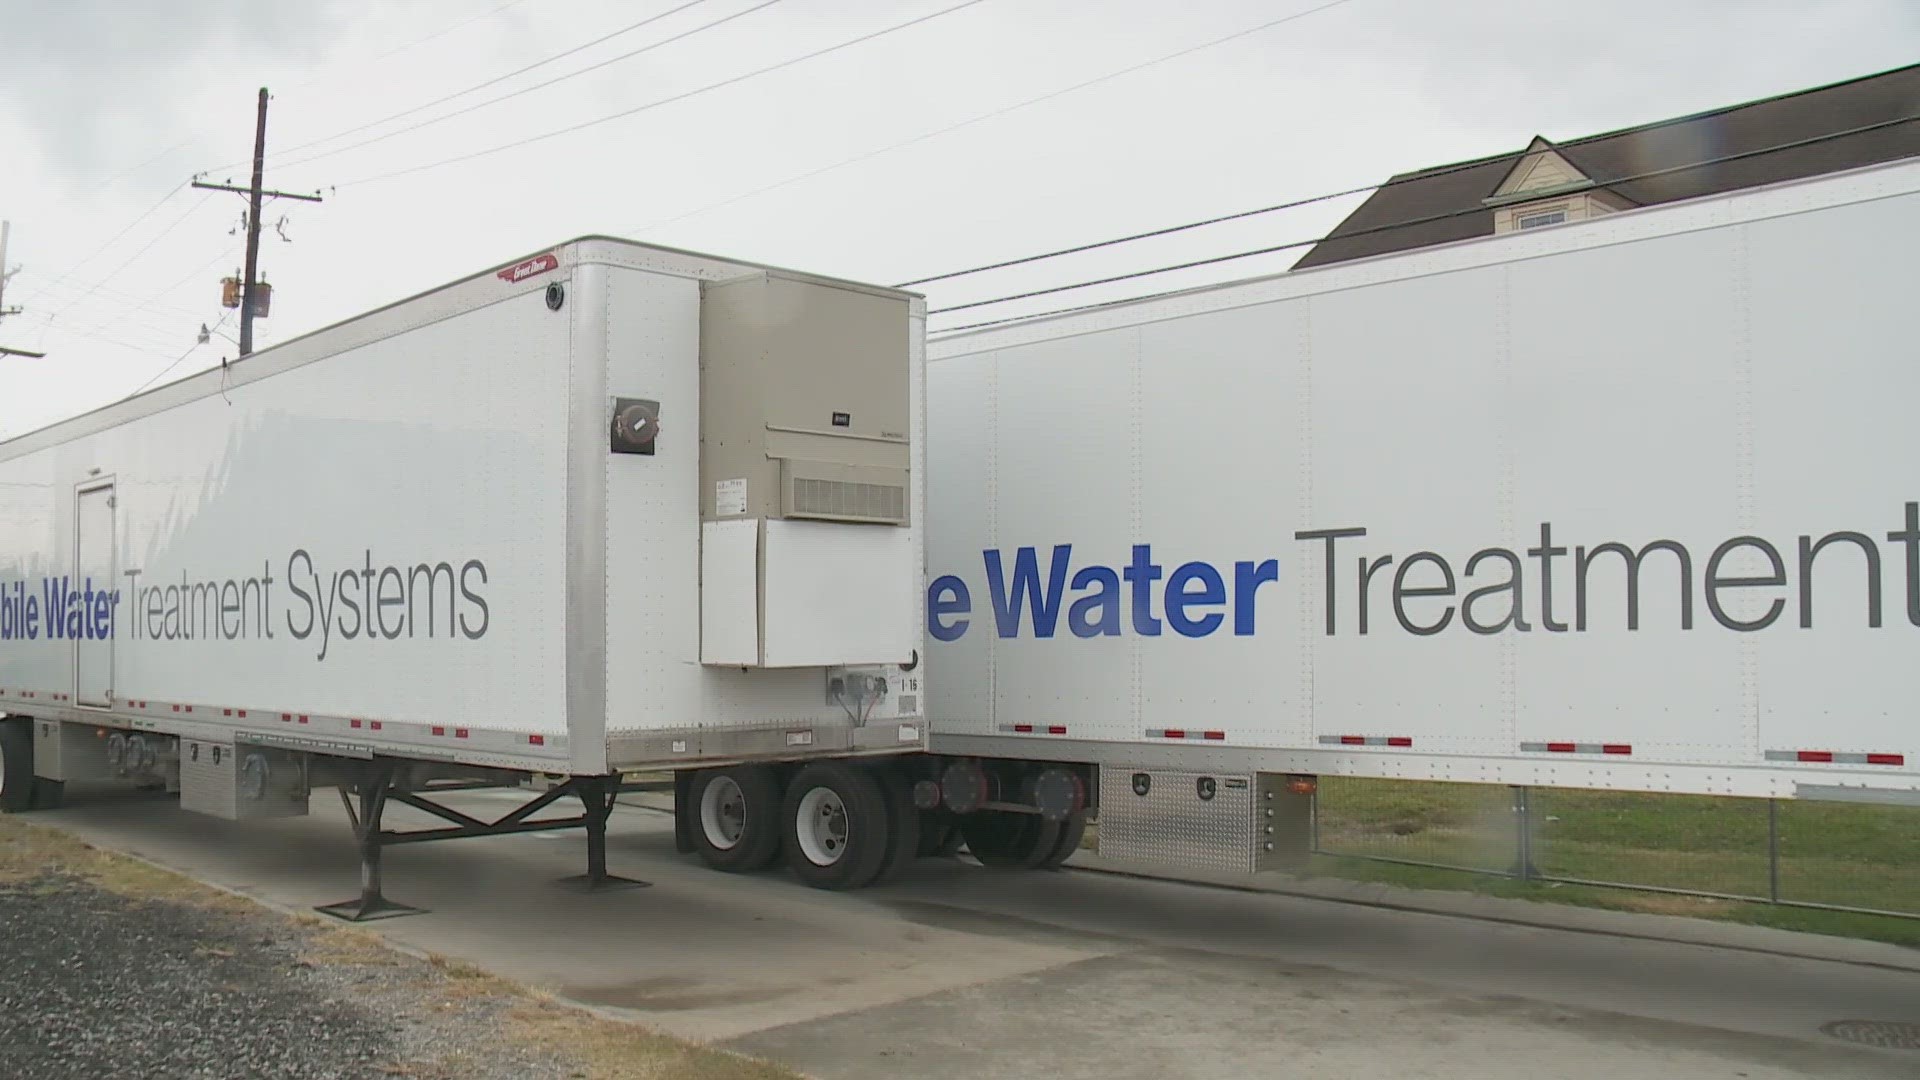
(92, 630)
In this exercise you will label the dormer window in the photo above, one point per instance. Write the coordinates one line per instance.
(1545, 188)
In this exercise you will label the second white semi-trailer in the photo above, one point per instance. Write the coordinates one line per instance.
(1626, 503)
(608, 508)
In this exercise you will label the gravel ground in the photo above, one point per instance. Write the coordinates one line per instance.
(94, 983)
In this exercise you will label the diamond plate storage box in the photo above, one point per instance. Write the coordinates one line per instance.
(238, 782)
(1233, 823)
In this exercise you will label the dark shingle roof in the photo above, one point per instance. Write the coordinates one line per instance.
(1444, 203)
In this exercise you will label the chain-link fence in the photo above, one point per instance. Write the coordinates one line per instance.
(1844, 856)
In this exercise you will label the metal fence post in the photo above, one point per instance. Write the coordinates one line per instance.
(1523, 836)
(1773, 851)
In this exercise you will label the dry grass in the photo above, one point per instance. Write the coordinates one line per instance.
(601, 1049)
(31, 852)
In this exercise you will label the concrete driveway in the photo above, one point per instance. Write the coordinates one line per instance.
(957, 971)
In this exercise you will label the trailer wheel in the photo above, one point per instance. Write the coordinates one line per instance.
(16, 764)
(1072, 831)
(736, 817)
(835, 825)
(1014, 841)
(903, 825)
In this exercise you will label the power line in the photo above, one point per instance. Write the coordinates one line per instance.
(1669, 170)
(925, 136)
(136, 305)
(114, 239)
(415, 43)
(1409, 178)
(474, 88)
(536, 86)
(184, 143)
(162, 234)
(182, 357)
(662, 101)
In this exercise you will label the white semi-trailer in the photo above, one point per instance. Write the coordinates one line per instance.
(1627, 503)
(608, 508)
(1616, 504)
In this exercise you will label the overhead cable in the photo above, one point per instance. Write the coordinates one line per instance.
(624, 113)
(1408, 178)
(995, 114)
(1369, 231)
(402, 114)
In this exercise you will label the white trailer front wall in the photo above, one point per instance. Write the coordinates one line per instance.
(380, 530)
(656, 683)
(1733, 368)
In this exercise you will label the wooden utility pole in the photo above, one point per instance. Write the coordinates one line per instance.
(249, 290)
(5, 228)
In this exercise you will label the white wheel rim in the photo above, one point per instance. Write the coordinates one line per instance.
(723, 813)
(821, 826)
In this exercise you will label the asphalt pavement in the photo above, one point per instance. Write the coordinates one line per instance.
(958, 971)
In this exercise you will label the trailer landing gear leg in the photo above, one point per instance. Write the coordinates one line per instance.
(596, 795)
(366, 829)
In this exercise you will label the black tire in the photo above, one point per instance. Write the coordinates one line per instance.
(903, 825)
(749, 797)
(852, 842)
(1007, 840)
(1072, 831)
(48, 794)
(16, 764)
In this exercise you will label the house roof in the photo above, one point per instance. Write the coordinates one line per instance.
(1446, 203)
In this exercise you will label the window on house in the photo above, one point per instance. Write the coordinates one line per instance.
(1544, 217)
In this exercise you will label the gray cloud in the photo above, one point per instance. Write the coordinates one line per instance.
(101, 76)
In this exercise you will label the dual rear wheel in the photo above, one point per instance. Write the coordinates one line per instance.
(844, 825)
(839, 825)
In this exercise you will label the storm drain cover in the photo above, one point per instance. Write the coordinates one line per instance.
(1885, 1034)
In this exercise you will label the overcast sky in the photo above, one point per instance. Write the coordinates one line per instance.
(107, 107)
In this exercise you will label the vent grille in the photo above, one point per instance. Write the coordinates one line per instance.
(840, 499)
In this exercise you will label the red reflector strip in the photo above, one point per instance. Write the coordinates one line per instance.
(1056, 729)
(1560, 747)
(460, 733)
(242, 713)
(1174, 733)
(536, 740)
(1836, 757)
(375, 725)
(1024, 729)
(1365, 740)
(1214, 736)
(303, 718)
(176, 708)
(287, 716)
(439, 731)
(1615, 748)
(354, 723)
